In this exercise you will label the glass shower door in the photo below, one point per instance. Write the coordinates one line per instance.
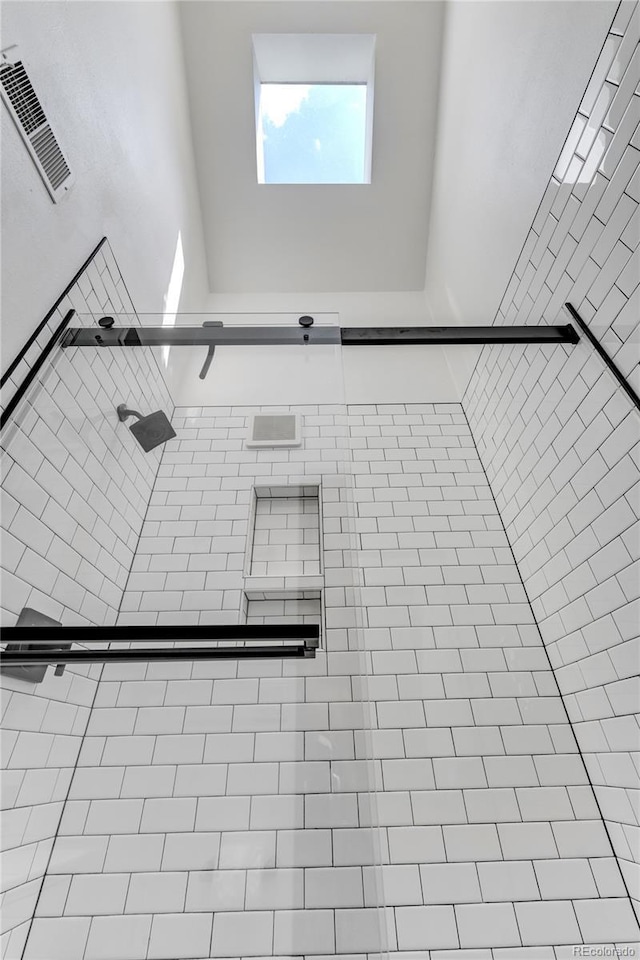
(221, 807)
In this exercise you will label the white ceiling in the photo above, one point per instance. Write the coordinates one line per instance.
(271, 238)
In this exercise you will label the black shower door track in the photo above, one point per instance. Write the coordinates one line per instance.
(208, 336)
(31, 646)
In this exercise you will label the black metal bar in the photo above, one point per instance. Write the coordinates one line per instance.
(154, 654)
(348, 336)
(307, 632)
(386, 336)
(626, 386)
(204, 336)
(36, 645)
(33, 372)
(34, 336)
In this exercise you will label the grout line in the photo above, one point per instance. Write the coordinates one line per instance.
(553, 673)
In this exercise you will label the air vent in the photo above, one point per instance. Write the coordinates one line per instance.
(274, 430)
(33, 126)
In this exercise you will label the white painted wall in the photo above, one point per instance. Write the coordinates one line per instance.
(407, 374)
(244, 376)
(111, 79)
(355, 308)
(267, 375)
(512, 78)
(319, 237)
(277, 375)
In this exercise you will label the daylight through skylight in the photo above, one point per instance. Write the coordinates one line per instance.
(312, 133)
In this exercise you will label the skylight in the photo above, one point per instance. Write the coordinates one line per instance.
(312, 133)
(314, 107)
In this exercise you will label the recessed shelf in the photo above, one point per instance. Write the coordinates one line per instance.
(283, 565)
(285, 540)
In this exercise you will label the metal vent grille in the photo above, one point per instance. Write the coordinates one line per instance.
(274, 430)
(31, 121)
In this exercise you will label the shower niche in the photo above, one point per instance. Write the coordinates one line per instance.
(283, 571)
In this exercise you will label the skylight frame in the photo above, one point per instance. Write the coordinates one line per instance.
(314, 60)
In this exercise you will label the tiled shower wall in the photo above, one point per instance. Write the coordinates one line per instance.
(491, 835)
(222, 809)
(189, 565)
(75, 490)
(225, 810)
(560, 439)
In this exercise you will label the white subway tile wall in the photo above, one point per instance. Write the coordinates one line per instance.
(75, 490)
(491, 836)
(424, 760)
(218, 796)
(560, 439)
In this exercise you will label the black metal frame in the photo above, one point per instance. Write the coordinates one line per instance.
(209, 336)
(33, 372)
(387, 336)
(626, 386)
(29, 646)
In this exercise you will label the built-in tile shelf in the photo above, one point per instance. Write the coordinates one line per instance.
(284, 537)
(283, 570)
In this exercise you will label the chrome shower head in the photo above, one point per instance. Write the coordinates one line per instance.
(149, 431)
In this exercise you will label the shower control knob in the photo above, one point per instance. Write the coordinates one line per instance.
(305, 321)
(106, 322)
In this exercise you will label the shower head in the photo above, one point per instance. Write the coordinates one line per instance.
(149, 431)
